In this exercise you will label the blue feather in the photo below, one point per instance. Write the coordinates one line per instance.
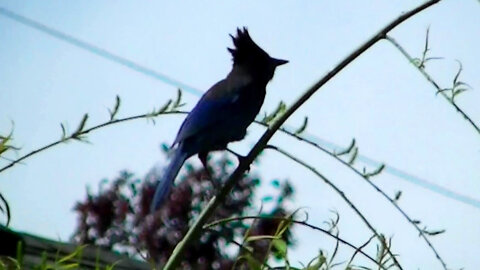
(166, 182)
(224, 112)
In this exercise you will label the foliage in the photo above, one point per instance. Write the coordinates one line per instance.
(117, 217)
(69, 261)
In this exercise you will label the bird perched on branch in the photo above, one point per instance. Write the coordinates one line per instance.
(224, 112)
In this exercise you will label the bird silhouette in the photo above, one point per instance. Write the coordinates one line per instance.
(224, 112)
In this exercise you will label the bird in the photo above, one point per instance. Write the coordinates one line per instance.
(224, 112)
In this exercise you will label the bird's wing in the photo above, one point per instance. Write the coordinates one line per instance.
(212, 108)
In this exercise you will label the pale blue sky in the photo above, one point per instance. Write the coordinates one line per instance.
(380, 100)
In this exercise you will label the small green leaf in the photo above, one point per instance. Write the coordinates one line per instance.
(70, 266)
(4, 143)
(398, 194)
(4, 147)
(72, 255)
(281, 247)
(178, 101)
(81, 126)
(133, 188)
(426, 49)
(375, 172)
(189, 167)
(443, 90)
(433, 58)
(320, 261)
(275, 183)
(301, 129)
(260, 237)
(64, 131)
(281, 108)
(460, 83)
(354, 156)
(348, 149)
(421, 63)
(112, 267)
(20, 253)
(267, 198)
(460, 68)
(458, 91)
(114, 112)
(433, 233)
(165, 147)
(163, 108)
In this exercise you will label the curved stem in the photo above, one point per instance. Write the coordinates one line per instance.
(299, 222)
(435, 84)
(77, 135)
(194, 231)
(377, 188)
(283, 130)
(339, 192)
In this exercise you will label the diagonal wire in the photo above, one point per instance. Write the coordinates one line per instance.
(97, 50)
(426, 184)
(192, 90)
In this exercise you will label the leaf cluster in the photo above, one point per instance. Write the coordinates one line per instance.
(118, 216)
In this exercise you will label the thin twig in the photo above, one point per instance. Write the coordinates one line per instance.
(76, 135)
(377, 188)
(299, 222)
(108, 123)
(194, 231)
(359, 249)
(283, 130)
(430, 79)
(242, 247)
(333, 186)
(7, 209)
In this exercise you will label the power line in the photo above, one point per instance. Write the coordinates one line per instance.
(192, 90)
(398, 173)
(98, 51)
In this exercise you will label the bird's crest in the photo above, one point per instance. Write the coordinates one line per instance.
(245, 48)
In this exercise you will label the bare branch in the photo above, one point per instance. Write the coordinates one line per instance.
(436, 85)
(365, 177)
(82, 132)
(336, 189)
(299, 222)
(194, 231)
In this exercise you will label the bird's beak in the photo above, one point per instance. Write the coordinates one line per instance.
(278, 62)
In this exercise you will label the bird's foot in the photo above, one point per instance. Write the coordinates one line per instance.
(241, 159)
(203, 158)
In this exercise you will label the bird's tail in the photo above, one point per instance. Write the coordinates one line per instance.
(166, 182)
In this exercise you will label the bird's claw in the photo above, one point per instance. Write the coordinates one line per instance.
(241, 159)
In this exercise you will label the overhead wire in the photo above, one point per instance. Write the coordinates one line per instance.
(98, 51)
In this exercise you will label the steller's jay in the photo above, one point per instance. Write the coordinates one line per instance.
(224, 112)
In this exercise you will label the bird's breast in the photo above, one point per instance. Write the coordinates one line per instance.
(249, 102)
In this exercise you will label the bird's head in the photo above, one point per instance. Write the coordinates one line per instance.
(254, 59)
